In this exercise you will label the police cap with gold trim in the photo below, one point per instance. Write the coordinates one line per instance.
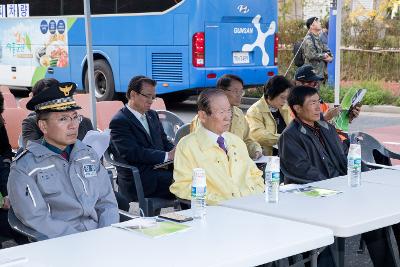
(55, 99)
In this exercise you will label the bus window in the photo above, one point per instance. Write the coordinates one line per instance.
(145, 6)
(72, 7)
(103, 7)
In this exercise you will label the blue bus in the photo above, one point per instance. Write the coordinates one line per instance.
(185, 45)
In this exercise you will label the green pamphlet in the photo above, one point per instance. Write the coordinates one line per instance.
(352, 98)
(312, 191)
(152, 227)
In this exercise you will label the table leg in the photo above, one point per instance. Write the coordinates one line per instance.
(314, 258)
(393, 248)
(338, 252)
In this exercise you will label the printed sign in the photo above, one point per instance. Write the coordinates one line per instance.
(23, 10)
(3, 12)
(12, 10)
(34, 42)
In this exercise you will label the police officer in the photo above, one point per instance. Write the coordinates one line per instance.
(57, 186)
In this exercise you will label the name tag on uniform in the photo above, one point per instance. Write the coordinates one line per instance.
(89, 170)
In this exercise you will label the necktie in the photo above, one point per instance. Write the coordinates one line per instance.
(221, 144)
(145, 124)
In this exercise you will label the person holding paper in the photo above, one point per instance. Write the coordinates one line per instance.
(58, 186)
(138, 138)
(230, 172)
(310, 150)
(232, 86)
(269, 116)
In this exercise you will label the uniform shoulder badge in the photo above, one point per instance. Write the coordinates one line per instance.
(20, 154)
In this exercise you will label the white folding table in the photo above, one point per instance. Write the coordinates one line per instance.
(355, 211)
(228, 237)
(382, 176)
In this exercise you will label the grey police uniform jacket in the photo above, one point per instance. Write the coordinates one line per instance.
(56, 197)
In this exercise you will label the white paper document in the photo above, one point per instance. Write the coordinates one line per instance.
(99, 141)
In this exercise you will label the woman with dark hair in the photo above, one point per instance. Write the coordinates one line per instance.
(270, 115)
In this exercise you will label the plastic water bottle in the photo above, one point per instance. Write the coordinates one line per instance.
(198, 203)
(272, 179)
(354, 165)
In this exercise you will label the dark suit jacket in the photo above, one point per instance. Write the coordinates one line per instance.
(31, 131)
(5, 147)
(304, 159)
(134, 146)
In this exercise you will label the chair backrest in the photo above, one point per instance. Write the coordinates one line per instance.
(182, 131)
(4, 89)
(23, 101)
(10, 101)
(105, 111)
(368, 146)
(83, 100)
(170, 122)
(13, 118)
(158, 104)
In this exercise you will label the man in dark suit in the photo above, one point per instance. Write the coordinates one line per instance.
(138, 139)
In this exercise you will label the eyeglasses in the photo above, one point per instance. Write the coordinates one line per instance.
(149, 97)
(64, 120)
(238, 92)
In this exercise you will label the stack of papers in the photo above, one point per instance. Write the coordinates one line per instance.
(309, 191)
(151, 227)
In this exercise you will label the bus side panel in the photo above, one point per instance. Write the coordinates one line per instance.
(181, 29)
(166, 65)
(132, 63)
(77, 56)
(126, 30)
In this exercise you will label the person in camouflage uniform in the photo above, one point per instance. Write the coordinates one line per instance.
(315, 52)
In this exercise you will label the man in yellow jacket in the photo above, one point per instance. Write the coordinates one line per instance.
(230, 172)
(232, 86)
(270, 115)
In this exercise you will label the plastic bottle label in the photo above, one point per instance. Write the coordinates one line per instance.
(198, 191)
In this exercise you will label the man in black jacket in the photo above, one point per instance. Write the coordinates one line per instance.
(138, 139)
(310, 150)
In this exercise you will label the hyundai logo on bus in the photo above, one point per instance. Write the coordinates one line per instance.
(243, 9)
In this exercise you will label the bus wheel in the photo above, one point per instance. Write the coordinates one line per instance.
(103, 80)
